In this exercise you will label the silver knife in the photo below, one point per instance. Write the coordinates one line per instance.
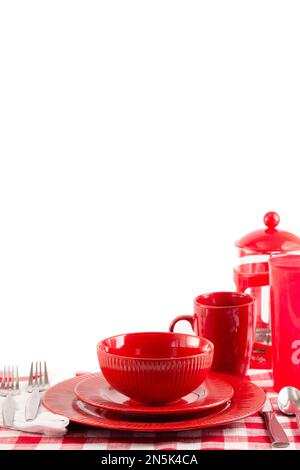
(8, 411)
(32, 405)
(276, 431)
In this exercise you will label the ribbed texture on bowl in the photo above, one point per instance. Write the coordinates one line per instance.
(155, 381)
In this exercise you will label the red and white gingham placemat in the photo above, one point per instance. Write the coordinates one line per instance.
(247, 434)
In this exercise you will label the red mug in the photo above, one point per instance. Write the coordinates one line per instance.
(227, 320)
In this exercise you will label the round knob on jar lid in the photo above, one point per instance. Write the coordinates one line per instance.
(271, 219)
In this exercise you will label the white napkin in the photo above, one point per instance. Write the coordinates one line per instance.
(46, 422)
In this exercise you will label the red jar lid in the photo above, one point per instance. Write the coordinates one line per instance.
(270, 239)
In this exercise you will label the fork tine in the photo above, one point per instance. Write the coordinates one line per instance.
(17, 381)
(31, 374)
(46, 378)
(12, 378)
(8, 378)
(5, 378)
(2, 380)
(30, 379)
(36, 383)
(40, 376)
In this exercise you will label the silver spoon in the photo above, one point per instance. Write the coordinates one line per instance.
(289, 402)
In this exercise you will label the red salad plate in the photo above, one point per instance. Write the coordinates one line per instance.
(247, 399)
(96, 391)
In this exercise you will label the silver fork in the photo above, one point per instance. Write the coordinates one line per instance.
(36, 384)
(9, 386)
(38, 379)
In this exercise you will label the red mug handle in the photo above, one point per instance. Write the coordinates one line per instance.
(188, 318)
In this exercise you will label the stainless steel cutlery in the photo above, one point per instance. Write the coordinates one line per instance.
(38, 381)
(276, 431)
(21, 413)
(9, 386)
(289, 402)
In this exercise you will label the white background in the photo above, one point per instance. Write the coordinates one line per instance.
(139, 140)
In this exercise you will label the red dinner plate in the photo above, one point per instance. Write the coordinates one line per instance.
(96, 391)
(247, 399)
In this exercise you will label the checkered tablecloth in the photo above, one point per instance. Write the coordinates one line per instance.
(249, 433)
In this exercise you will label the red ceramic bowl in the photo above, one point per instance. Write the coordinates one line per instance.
(155, 367)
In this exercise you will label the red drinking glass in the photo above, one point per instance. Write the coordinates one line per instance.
(227, 320)
(285, 319)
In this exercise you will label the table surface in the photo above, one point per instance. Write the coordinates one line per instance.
(246, 434)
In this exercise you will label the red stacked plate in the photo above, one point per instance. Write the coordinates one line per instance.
(206, 407)
(157, 382)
